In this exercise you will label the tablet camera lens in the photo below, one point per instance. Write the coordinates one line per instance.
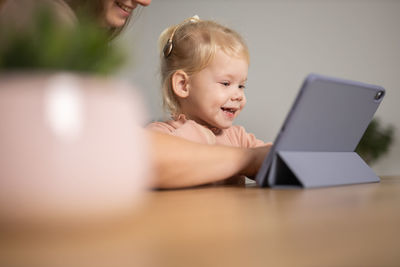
(379, 95)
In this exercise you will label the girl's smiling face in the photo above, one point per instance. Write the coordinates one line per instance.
(117, 12)
(216, 93)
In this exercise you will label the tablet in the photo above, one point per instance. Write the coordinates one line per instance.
(326, 121)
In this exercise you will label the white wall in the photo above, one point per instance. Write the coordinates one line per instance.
(357, 40)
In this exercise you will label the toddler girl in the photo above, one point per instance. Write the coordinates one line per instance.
(204, 70)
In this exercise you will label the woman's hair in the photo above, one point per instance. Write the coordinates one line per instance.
(19, 15)
(95, 9)
(191, 46)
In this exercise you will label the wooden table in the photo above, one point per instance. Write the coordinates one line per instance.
(357, 225)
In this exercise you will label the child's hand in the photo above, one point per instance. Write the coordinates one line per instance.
(255, 159)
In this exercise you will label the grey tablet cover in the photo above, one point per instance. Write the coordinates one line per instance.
(315, 146)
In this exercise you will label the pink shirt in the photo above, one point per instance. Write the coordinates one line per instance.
(191, 130)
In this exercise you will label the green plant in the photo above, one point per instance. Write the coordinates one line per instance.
(49, 45)
(375, 142)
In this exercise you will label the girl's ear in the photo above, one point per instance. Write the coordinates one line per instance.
(180, 83)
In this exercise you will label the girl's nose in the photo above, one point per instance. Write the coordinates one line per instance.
(238, 95)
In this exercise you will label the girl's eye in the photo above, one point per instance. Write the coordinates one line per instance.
(225, 83)
(242, 86)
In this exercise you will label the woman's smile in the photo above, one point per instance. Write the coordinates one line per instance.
(116, 13)
(127, 9)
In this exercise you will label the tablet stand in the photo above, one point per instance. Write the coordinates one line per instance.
(318, 169)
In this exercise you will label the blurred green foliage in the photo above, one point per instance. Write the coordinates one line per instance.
(376, 141)
(49, 45)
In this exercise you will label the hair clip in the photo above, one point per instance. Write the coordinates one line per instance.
(169, 45)
(168, 48)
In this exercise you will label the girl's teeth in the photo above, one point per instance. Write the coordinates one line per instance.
(228, 110)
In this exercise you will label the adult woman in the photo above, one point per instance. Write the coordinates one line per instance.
(191, 163)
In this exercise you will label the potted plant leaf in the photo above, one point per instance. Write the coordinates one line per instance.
(375, 142)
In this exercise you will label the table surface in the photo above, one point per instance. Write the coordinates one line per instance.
(356, 225)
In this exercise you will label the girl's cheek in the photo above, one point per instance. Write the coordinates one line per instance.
(244, 101)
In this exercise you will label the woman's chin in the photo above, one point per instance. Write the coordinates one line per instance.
(115, 22)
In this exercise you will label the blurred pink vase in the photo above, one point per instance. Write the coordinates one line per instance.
(71, 147)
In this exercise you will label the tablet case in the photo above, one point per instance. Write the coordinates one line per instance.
(318, 169)
(315, 146)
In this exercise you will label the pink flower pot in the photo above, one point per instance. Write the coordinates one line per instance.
(71, 148)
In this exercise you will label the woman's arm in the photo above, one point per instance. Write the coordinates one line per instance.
(181, 163)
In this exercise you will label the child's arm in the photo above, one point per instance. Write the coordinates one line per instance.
(181, 163)
(247, 139)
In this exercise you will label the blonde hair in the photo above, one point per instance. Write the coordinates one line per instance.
(194, 44)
